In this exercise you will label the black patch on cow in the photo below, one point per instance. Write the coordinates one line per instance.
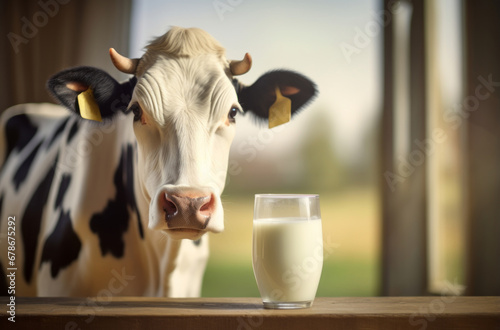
(62, 246)
(18, 131)
(63, 186)
(197, 242)
(130, 186)
(111, 223)
(4, 283)
(72, 131)
(31, 220)
(58, 132)
(24, 169)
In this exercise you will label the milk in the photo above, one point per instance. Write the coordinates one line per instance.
(287, 258)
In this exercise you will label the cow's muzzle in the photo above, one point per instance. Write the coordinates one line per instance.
(183, 212)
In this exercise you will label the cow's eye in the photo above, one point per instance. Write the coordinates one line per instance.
(232, 114)
(137, 111)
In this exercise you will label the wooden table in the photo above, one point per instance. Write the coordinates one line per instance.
(385, 313)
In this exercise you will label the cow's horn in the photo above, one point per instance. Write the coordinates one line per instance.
(122, 63)
(241, 67)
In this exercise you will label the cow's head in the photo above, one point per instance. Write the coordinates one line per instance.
(182, 102)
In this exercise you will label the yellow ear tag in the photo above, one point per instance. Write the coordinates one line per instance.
(281, 110)
(88, 107)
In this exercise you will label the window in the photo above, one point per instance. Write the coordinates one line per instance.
(330, 148)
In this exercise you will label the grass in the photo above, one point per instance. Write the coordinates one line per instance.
(350, 235)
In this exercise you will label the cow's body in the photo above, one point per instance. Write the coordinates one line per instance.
(94, 167)
(122, 207)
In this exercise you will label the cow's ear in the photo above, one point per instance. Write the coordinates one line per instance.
(259, 97)
(110, 96)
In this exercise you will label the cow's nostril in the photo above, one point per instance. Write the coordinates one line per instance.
(169, 207)
(208, 208)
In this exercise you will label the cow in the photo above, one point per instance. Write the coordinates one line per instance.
(120, 203)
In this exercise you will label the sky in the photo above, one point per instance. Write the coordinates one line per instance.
(337, 44)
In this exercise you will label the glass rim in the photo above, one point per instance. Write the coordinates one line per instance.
(287, 195)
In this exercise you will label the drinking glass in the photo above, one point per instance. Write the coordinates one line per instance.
(287, 251)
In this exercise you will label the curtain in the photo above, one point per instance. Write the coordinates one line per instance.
(42, 37)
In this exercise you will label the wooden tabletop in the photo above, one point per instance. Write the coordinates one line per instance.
(438, 312)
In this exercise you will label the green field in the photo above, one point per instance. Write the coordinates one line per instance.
(350, 235)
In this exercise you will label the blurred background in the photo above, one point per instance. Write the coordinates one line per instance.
(401, 142)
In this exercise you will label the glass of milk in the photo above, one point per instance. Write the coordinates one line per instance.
(287, 249)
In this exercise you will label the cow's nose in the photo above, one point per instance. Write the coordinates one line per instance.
(189, 209)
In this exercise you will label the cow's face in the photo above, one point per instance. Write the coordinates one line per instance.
(184, 121)
(182, 103)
